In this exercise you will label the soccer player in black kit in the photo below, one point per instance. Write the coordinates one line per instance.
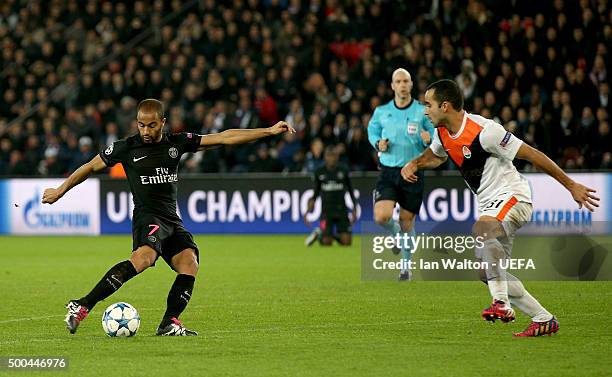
(150, 159)
(332, 181)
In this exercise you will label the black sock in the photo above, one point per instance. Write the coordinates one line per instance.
(112, 281)
(178, 297)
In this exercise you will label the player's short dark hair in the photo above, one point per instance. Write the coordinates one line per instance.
(447, 91)
(151, 105)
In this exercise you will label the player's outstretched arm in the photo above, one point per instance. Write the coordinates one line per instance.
(238, 136)
(427, 160)
(583, 195)
(52, 195)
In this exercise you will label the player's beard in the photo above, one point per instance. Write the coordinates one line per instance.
(151, 139)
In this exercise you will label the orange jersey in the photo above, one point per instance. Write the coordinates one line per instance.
(483, 151)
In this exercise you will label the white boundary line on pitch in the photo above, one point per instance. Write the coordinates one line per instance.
(206, 333)
(31, 318)
(197, 307)
(289, 328)
(225, 305)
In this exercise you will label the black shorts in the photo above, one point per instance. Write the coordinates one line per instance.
(166, 237)
(391, 186)
(334, 224)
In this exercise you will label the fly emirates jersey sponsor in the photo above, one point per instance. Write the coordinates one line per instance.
(152, 168)
(483, 151)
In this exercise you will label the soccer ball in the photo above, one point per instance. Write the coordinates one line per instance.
(120, 319)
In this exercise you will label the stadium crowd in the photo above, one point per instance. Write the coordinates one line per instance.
(72, 72)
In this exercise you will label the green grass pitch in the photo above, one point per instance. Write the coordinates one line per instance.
(268, 306)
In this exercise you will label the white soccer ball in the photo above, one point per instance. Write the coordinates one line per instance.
(120, 319)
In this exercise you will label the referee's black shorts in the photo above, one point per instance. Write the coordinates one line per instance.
(391, 186)
(167, 237)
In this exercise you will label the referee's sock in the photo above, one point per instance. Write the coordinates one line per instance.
(406, 251)
(392, 226)
(178, 297)
(110, 282)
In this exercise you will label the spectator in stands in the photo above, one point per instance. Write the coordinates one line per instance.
(604, 96)
(314, 157)
(17, 166)
(264, 162)
(51, 165)
(467, 79)
(84, 154)
(359, 150)
(600, 152)
(287, 148)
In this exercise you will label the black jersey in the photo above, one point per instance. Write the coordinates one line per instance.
(151, 169)
(331, 185)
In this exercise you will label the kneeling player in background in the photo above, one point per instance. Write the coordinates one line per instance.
(332, 181)
(482, 150)
(151, 159)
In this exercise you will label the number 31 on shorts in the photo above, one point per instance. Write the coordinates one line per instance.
(499, 206)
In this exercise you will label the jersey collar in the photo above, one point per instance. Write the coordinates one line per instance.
(465, 117)
(405, 107)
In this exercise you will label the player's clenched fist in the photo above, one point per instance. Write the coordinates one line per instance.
(281, 127)
(51, 195)
(383, 145)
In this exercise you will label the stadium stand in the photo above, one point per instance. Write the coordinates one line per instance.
(71, 73)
